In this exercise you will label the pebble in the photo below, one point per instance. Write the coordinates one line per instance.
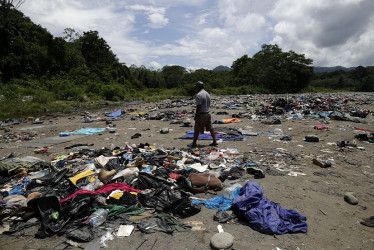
(350, 198)
(222, 240)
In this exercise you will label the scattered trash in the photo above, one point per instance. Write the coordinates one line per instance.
(125, 230)
(322, 163)
(105, 238)
(320, 127)
(164, 131)
(196, 225)
(93, 194)
(253, 206)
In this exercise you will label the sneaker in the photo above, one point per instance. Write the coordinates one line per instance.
(213, 144)
(191, 145)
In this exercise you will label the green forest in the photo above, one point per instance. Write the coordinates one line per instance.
(40, 73)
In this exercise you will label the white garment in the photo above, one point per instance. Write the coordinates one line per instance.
(203, 99)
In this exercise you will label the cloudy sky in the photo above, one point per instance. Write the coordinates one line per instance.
(207, 33)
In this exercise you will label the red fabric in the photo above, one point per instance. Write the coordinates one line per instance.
(320, 127)
(106, 189)
(362, 129)
(174, 176)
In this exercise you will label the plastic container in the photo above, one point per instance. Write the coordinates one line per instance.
(98, 217)
(232, 191)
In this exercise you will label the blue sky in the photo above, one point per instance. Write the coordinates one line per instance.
(208, 33)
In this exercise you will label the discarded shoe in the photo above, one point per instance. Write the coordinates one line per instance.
(257, 172)
(173, 158)
(137, 135)
(322, 164)
(138, 162)
(105, 174)
(369, 222)
(192, 145)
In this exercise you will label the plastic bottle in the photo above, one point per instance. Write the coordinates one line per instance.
(98, 217)
(230, 192)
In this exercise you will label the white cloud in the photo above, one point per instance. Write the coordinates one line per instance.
(330, 32)
(201, 33)
(156, 65)
(156, 16)
(158, 20)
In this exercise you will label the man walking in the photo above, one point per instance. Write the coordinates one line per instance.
(202, 115)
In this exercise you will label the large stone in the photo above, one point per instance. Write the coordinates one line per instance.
(222, 240)
(311, 138)
(350, 198)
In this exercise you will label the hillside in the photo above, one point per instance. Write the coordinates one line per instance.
(332, 69)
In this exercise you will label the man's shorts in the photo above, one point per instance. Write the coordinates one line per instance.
(203, 122)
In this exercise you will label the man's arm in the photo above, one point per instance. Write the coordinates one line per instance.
(198, 110)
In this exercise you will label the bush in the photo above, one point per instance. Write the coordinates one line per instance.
(71, 93)
(114, 92)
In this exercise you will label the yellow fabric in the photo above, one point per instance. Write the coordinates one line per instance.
(59, 158)
(116, 195)
(81, 175)
(137, 113)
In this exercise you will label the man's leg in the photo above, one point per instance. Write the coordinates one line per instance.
(195, 136)
(213, 134)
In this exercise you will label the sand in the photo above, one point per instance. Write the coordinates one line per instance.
(316, 192)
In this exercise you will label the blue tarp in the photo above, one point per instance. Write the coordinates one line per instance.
(266, 216)
(223, 137)
(115, 113)
(219, 202)
(83, 131)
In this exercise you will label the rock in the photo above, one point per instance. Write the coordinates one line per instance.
(311, 138)
(350, 198)
(222, 240)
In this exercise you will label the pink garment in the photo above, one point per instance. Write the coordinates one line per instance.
(320, 127)
(106, 189)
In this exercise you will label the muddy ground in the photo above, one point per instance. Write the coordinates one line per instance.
(315, 192)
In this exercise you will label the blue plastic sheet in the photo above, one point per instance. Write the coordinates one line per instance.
(115, 113)
(218, 122)
(223, 137)
(83, 131)
(219, 202)
(266, 216)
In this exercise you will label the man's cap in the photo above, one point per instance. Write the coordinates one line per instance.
(199, 84)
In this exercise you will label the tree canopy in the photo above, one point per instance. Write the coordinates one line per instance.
(273, 70)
